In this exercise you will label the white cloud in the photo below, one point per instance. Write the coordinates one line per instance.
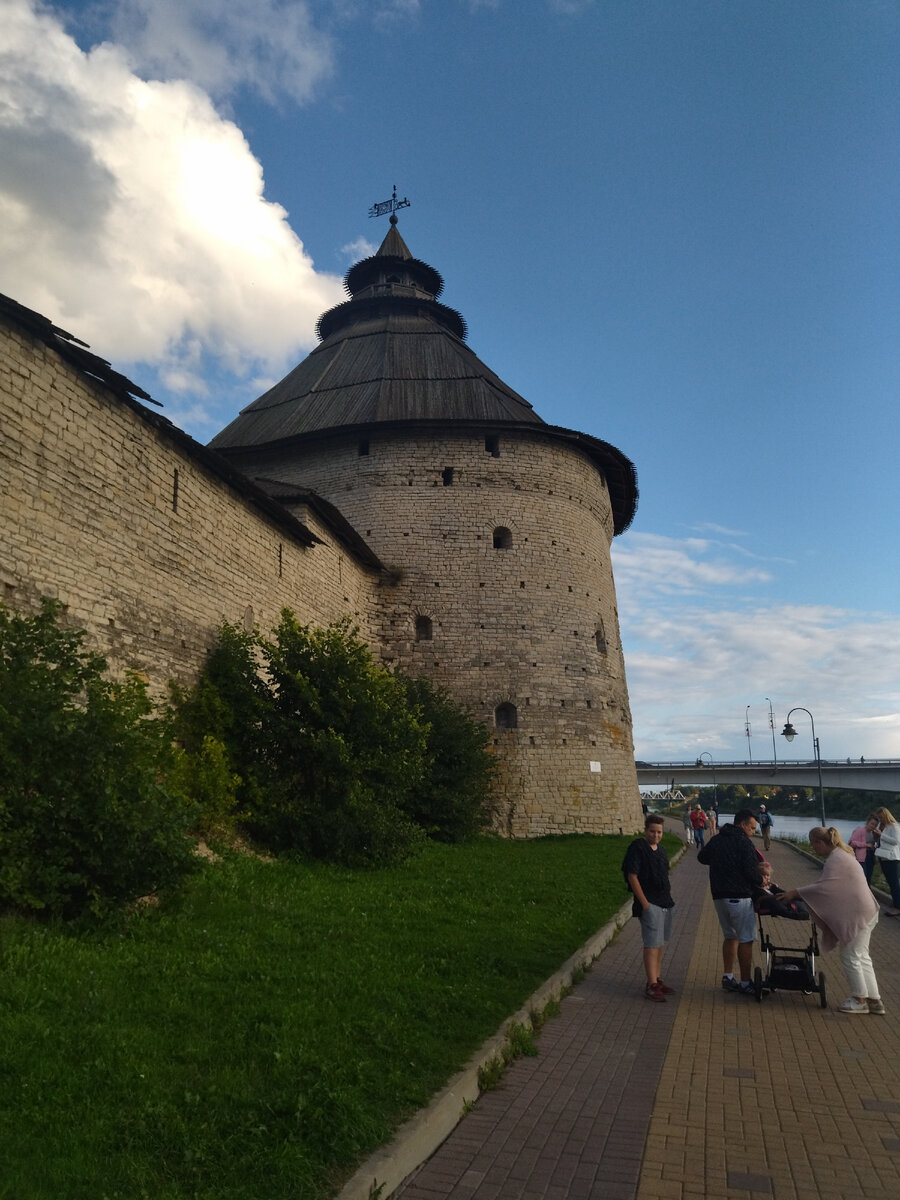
(271, 47)
(703, 640)
(361, 248)
(648, 562)
(133, 214)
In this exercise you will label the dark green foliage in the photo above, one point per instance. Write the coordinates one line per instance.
(336, 757)
(343, 749)
(85, 822)
(454, 801)
(229, 703)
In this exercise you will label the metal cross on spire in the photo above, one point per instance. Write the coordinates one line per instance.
(389, 206)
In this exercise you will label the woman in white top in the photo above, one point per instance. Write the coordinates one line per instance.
(888, 854)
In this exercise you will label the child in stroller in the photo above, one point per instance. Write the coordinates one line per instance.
(766, 898)
(789, 967)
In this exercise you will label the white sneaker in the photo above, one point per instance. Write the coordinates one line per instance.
(852, 1005)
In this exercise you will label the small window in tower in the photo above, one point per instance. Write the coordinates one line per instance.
(363, 447)
(392, 279)
(175, 490)
(502, 538)
(506, 716)
(492, 446)
(447, 476)
(600, 638)
(423, 629)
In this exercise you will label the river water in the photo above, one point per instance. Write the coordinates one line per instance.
(799, 827)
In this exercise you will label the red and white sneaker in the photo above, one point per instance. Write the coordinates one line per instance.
(654, 992)
(664, 988)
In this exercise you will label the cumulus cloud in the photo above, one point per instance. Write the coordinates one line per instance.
(703, 639)
(132, 213)
(271, 47)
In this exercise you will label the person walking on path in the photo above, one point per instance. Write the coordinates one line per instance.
(698, 824)
(646, 869)
(688, 826)
(765, 824)
(864, 842)
(888, 854)
(846, 912)
(733, 878)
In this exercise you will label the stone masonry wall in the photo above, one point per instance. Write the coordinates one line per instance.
(147, 547)
(531, 622)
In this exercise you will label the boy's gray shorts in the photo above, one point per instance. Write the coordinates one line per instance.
(737, 919)
(656, 926)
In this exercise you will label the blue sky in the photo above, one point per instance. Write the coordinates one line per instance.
(669, 224)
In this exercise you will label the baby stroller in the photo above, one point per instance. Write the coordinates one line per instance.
(791, 966)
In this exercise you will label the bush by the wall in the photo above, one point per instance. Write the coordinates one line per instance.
(343, 749)
(455, 800)
(85, 821)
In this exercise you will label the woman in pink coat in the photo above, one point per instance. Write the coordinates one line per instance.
(845, 912)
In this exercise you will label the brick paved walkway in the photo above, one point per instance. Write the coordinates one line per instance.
(710, 1095)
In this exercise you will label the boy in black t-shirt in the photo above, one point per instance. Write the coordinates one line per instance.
(646, 868)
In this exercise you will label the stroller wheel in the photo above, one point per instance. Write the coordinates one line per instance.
(823, 1002)
(758, 983)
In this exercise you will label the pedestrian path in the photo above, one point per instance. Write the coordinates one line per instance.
(710, 1095)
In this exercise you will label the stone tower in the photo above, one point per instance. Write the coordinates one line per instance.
(495, 526)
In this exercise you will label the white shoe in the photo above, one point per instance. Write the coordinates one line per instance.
(852, 1005)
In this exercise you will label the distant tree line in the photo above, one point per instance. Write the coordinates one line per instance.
(840, 803)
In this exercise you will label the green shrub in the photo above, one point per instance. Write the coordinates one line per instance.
(338, 758)
(85, 822)
(343, 750)
(231, 703)
(205, 777)
(454, 801)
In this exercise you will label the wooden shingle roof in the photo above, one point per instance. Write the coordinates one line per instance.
(392, 354)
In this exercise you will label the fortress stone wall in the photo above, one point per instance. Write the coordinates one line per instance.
(479, 558)
(120, 516)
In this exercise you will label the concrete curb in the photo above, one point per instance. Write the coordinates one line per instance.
(415, 1141)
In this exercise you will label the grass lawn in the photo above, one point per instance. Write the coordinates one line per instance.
(255, 1038)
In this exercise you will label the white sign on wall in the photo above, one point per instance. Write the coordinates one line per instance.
(595, 768)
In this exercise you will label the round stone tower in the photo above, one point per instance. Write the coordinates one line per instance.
(495, 528)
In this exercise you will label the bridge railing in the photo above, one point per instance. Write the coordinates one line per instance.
(693, 765)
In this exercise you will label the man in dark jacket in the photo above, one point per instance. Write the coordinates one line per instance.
(733, 878)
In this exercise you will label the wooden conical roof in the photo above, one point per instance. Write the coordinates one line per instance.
(394, 355)
(391, 352)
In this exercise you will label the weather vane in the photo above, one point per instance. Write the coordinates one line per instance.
(389, 206)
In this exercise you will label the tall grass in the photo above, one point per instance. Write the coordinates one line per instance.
(257, 1039)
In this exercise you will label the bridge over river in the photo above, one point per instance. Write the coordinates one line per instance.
(875, 775)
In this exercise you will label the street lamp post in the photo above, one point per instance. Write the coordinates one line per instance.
(747, 731)
(701, 763)
(772, 727)
(790, 733)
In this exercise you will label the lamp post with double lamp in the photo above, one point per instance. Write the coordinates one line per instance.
(701, 763)
(790, 733)
(747, 731)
